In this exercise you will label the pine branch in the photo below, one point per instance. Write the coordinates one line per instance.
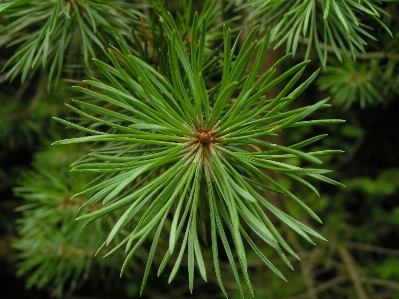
(335, 23)
(187, 142)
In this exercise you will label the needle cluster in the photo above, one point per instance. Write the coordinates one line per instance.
(176, 154)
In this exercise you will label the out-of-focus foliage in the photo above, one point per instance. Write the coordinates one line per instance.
(351, 82)
(24, 114)
(386, 183)
(56, 252)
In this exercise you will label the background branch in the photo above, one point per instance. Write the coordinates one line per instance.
(351, 268)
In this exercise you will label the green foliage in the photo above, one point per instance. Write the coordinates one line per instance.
(342, 27)
(352, 82)
(211, 12)
(55, 250)
(332, 23)
(176, 146)
(26, 113)
(385, 184)
(201, 154)
(57, 32)
(388, 75)
(389, 268)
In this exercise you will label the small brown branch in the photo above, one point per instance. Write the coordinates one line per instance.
(307, 265)
(360, 55)
(255, 147)
(323, 287)
(4, 40)
(351, 266)
(22, 88)
(372, 248)
(351, 154)
(78, 202)
(374, 55)
(354, 148)
(70, 251)
(16, 115)
(147, 36)
(41, 89)
(308, 277)
(13, 33)
(384, 295)
(382, 282)
(5, 246)
(3, 78)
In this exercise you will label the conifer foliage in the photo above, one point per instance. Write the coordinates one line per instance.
(197, 155)
(186, 145)
(334, 23)
(57, 252)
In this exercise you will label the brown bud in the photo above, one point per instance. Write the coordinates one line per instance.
(205, 137)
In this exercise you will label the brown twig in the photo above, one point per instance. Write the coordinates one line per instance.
(307, 265)
(384, 295)
(351, 154)
(16, 115)
(34, 103)
(360, 55)
(351, 266)
(72, 252)
(77, 202)
(323, 287)
(382, 282)
(354, 148)
(5, 246)
(372, 248)
(3, 78)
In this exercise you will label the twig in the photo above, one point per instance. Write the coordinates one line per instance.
(5, 246)
(372, 248)
(382, 282)
(41, 90)
(323, 287)
(355, 147)
(351, 266)
(16, 115)
(308, 277)
(385, 295)
(351, 154)
(3, 78)
(360, 55)
(306, 266)
(5, 40)
(23, 87)
(35, 101)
